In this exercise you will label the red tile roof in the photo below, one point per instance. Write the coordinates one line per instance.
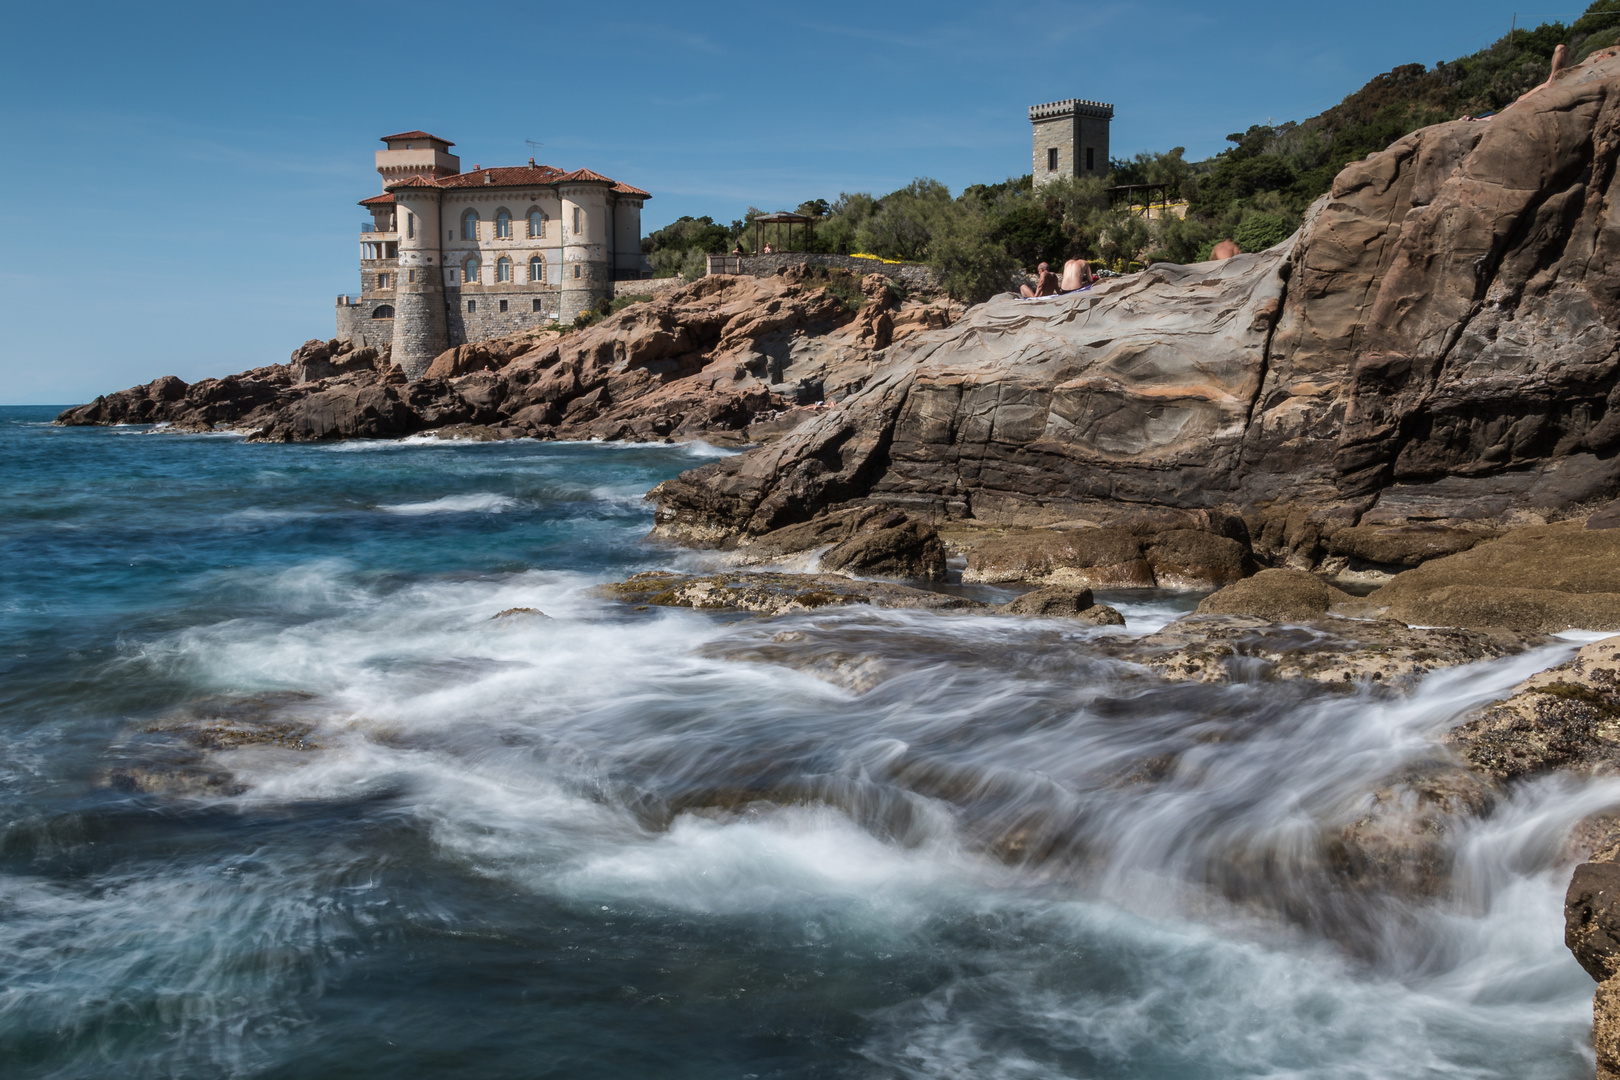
(583, 175)
(416, 135)
(518, 176)
(384, 199)
(515, 176)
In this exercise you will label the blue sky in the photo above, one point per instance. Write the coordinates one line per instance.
(180, 179)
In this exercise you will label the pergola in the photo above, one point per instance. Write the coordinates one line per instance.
(784, 218)
(1130, 190)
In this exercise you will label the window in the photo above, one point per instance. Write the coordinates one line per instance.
(410, 226)
(537, 270)
(382, 281)
(503, 270)
(577, 227)
(382, 311)
(503, 224)
(1051, 160)
(472, 306)
(412, 276)
(503, 305)
(576, 270)
(469, 225)
(537, 305)
(469, 272)
(537, 224)
(1091, 159)
(449, 234)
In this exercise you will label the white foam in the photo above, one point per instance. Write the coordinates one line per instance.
(480, 502)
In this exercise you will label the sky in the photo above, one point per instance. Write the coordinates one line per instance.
(179, 180)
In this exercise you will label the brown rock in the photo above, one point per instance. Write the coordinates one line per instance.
(1335, 651)
(1567, 717)
(1277, 596)
(1063, 602)
(1592, 918)
(1545, 578)
(892, 545)
(1404, 545)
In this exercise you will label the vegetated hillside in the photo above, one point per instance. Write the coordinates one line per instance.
(1254, 192)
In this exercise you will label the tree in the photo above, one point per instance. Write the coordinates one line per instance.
(972, 265)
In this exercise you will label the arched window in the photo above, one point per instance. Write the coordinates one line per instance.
(537, 269)
(469, 225)
(382, 311)
(537, 223)
(503, 269)
(503, 224)
(469, 271)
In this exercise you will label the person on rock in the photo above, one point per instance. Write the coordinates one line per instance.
(1046, 283)
(1560, 61)
(1224, 250)
(1077, 275)
(767, 250)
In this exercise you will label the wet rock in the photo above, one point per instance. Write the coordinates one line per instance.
(1399, 838)
(345, 412)
(1592, 918)
(521, 613)
(1404, 545)
(1567, 717)
(891, 545)
(1103, 558)
(189, 752)
(1277, 596)
(1063, 602)
(1545, 578)
(774, 593)
(1334, 651)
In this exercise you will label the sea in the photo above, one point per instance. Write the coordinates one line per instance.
(596, 840)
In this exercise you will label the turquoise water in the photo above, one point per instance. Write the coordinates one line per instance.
(613, 843)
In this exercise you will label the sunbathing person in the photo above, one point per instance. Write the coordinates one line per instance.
(1046, 283)
(1224, 250)
(1077, 275)
(1560, 60)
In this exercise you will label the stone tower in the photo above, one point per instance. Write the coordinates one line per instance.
(587, 272)
(420, 330)
(1071, 139)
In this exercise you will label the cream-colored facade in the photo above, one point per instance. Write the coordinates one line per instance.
(452, 257)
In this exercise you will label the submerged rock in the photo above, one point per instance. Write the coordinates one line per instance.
(1331, 650)
(773, 593)
(1062, 602)
(1567, 717)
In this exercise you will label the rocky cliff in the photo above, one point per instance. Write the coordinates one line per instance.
(724, 358)
(1434, 348)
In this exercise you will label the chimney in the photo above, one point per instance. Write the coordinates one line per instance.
(531, 163)
(489, 178)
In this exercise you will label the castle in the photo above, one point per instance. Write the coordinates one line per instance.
(1071, 139)
(452, 257)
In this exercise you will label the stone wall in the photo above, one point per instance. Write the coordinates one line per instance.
(488, 321)
(913, 275)
(354, 323)
(646, 286)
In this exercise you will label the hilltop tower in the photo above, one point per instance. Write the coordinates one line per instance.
(1071, 139)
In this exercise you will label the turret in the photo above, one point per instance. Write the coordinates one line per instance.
(587, 271)
(420, 333)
